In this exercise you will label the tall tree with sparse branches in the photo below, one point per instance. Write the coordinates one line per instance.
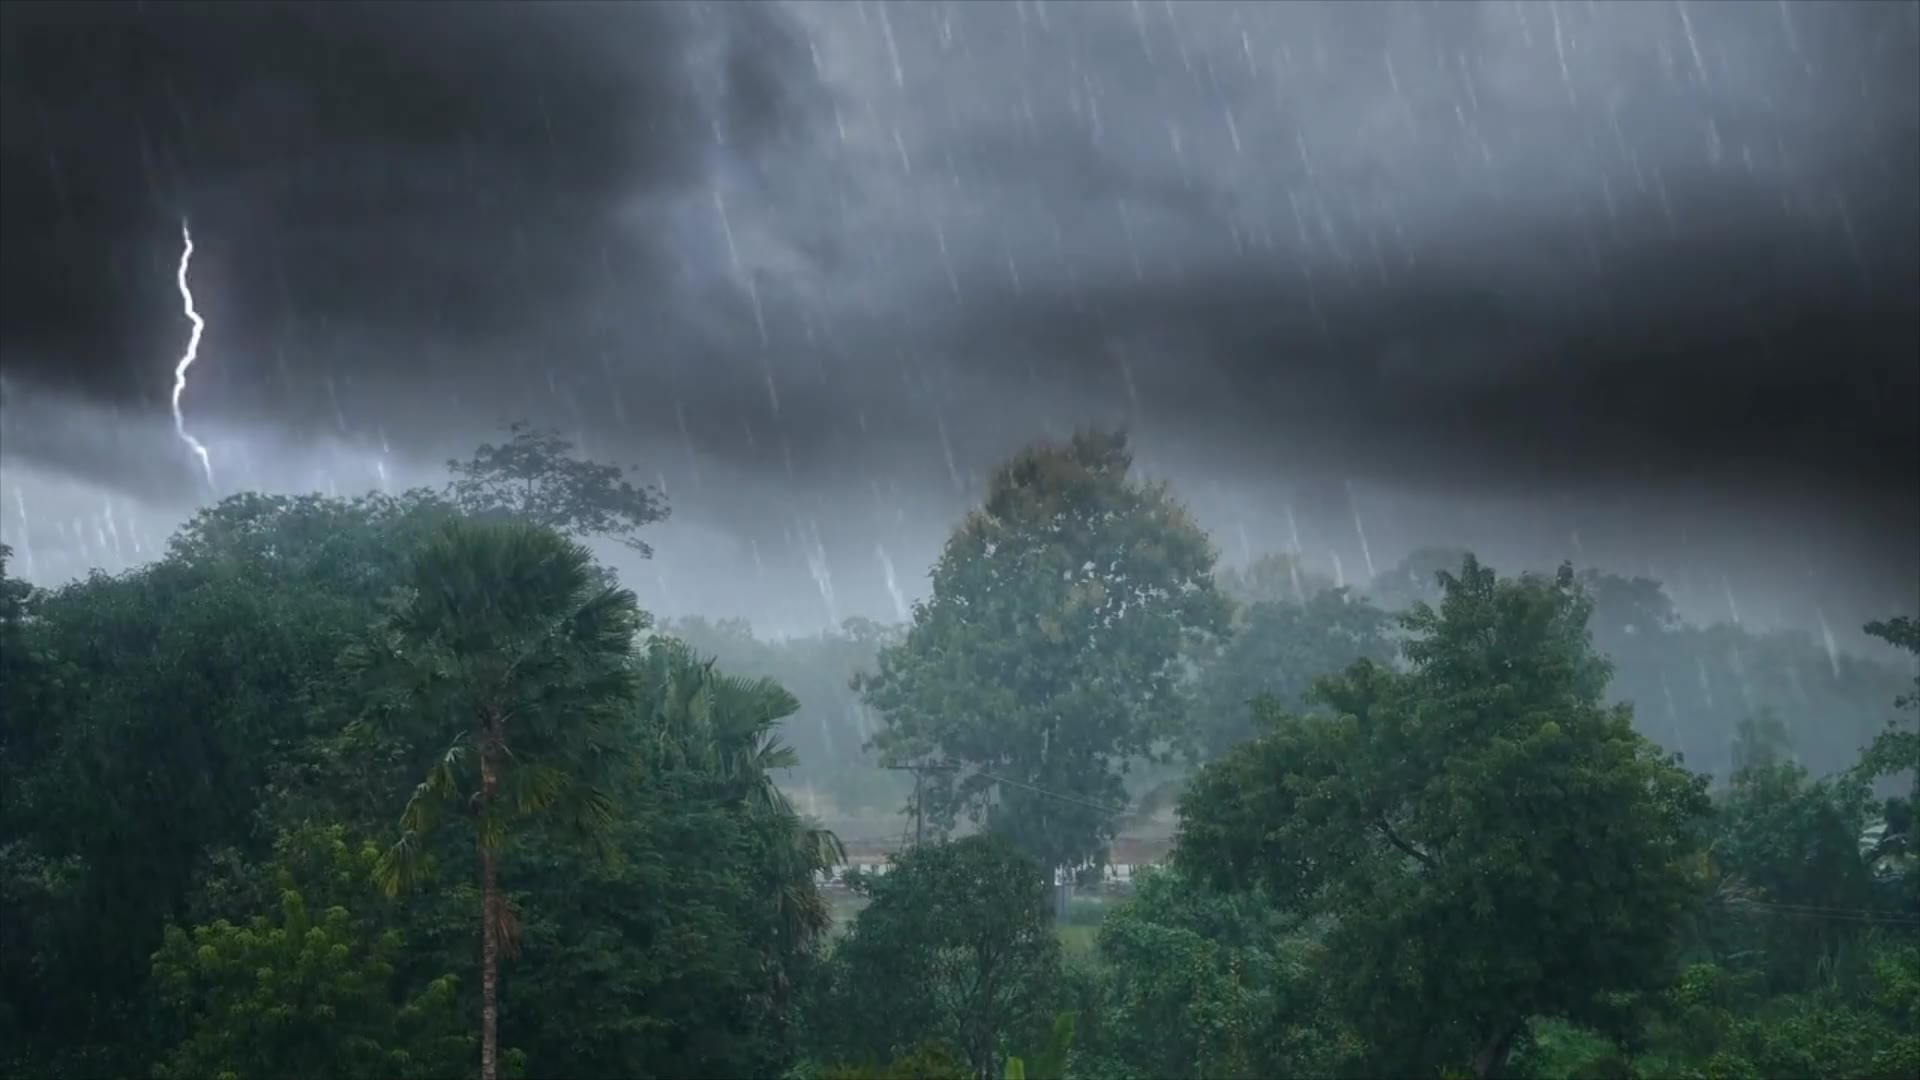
(534, 477)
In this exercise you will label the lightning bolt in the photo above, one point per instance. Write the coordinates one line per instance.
(187, 358)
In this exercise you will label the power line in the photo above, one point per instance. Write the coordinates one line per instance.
(1820, 909)
(1075, 800)
(1808, 911)
(949, 766)
(919, 772)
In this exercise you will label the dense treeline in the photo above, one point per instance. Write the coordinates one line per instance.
(409, 786)
(1692, 687)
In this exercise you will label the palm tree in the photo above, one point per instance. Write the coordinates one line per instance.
(510, 651)
(726, 726)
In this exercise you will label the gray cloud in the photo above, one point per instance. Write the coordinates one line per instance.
(1638, 270)
(377, 188)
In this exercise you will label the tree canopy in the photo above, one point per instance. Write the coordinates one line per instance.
(534, 477)
(1495, 843)
(1425, 843)
(956, 945)
(1050, 651)
(1276, 649)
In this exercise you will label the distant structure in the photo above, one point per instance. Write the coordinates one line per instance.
(1126, 856)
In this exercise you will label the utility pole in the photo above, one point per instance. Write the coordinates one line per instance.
(920, 772)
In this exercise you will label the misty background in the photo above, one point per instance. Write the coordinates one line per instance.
(1628, 284)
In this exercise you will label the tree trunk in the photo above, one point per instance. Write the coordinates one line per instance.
(489, 930)
(979, 1028)
(1491, 1060)
(489, 968)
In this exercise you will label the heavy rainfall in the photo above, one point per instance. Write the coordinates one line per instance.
(884, 539)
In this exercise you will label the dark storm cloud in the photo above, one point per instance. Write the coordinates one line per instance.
(365, 180)
(817, 265)
(1723, 353)
(1506, 242)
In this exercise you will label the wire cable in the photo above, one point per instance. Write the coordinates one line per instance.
(1808, 911)
(1063, 797)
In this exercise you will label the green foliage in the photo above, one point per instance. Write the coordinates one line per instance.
(296, 994)
(1896, 752)
(1555, 1048)
(1272, 579)
(1193, 980)
(534, 478)
(1780, 838)
(1050, 1061)
(1494, 843)
(681, 955)
(357, 546)
(832, 727)
(668, 961)
(957, 944)
(157, 714)
(504, 652)
(930, 1060)
(1051, 647)
(1277, 649)
(1426, 868)
(1901, 632)
(934, 1059)
(1415, 579)
(162, 728)
(723, 727)
(1761, 741)
(1715, 1023)
(1694, 687)
(20, 665)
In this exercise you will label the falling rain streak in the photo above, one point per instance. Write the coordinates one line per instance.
(983, 395)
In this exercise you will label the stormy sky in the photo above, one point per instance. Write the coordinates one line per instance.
(1631, 284)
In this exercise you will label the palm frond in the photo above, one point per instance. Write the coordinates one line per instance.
(399, 866)
(599, 807)
(536, 787)
(605, 623)
(821, 848)
(766, 798)
(506, 926)
(773, 754)
(490, 832)
(423, 807)
(442, 781)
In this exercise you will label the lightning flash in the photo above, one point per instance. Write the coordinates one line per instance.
(187, 358)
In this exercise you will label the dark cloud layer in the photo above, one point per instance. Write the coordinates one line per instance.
(1513, 270)
(403, 173)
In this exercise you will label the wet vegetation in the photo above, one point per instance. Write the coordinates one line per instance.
(409, 786)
